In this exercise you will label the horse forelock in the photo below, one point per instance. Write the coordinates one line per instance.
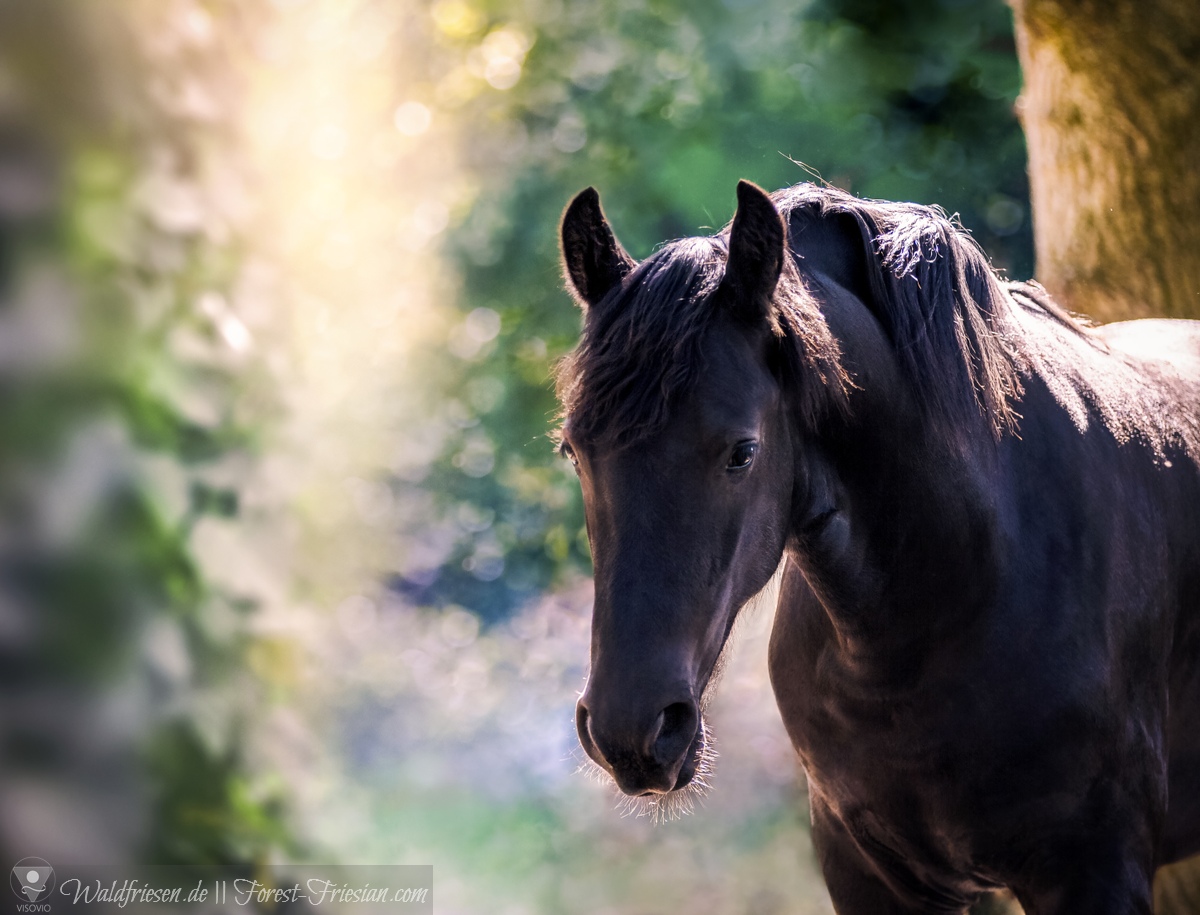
(640, 345)
(641, 349)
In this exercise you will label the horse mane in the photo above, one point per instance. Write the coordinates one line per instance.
(949, 316)
(953, 323)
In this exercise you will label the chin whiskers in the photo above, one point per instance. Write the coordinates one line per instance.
(590, 769)
(662, 808)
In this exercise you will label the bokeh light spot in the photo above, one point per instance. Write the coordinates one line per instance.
(455, 18)
(412, 119)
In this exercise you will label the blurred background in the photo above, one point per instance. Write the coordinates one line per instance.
(289, 570)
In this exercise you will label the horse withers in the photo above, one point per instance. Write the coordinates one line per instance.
(986, 649)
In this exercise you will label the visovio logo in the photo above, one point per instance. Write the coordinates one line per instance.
(32, 881)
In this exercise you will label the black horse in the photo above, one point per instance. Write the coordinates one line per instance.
(986, 649)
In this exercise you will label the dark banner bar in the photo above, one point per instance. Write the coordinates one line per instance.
(37, 886)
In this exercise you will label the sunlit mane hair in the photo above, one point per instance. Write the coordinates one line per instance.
(951, 320)
(641, 346)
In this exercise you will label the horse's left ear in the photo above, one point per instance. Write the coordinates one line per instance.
(757, 246)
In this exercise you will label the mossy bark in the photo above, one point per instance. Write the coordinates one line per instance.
(1111, 110)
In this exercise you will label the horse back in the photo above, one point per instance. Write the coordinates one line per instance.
(1170, 352)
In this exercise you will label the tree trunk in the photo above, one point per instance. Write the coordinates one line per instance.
(1111, 110)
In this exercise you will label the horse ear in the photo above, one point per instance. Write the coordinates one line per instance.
(593, 260)
(757, 245)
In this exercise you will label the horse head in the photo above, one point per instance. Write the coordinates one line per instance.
(677, 423)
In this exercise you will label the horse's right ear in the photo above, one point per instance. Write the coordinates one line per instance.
(593, 260)
(757, 247)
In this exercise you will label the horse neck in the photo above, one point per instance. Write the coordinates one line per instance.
(910, 552)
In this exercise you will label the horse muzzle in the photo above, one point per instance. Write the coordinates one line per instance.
(643, 755)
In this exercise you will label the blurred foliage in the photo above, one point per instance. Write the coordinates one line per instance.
(663, 106)
(114, 634)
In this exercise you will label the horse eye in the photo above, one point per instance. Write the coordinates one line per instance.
(569, 453)
(743, 455)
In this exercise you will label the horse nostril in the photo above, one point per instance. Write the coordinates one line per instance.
(674, 731)
(583, 729)
(649, 763)
(581, 721)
